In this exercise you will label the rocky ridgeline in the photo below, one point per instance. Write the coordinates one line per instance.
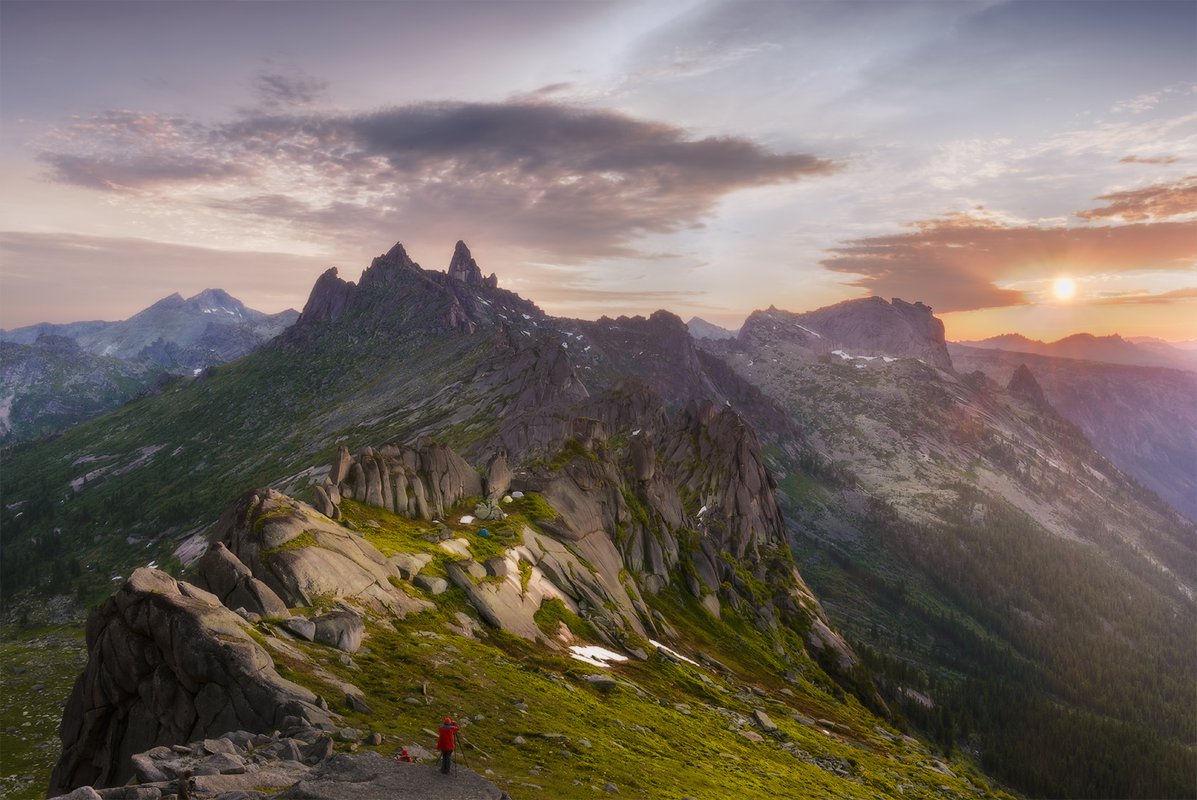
(415, 482)
(686, 494)
(396, 293)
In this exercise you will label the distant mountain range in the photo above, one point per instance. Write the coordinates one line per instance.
(53, 376)
(1113, 349)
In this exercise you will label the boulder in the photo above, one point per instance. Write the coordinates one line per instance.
(324, 503)
(431, 584)
(166, 666)
(410, 564)
(342, 629)
(300, 627)
(498, 476)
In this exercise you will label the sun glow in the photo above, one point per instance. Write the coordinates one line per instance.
(1064, 288)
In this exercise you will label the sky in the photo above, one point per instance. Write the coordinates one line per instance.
(607, 158)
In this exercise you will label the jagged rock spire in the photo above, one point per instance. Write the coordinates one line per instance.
(464, 268)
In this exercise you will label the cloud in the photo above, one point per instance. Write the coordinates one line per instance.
(1152, 202)
(277, 91)
(120, 172)
(1146, 102)
(959, 262)
(1143, 160)
(571, 182)
(1161, 298)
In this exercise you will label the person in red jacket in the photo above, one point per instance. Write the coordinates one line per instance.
(446, 743)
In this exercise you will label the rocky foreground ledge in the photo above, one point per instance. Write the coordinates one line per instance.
(296, 765)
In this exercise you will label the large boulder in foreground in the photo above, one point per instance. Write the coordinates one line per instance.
(168, 663)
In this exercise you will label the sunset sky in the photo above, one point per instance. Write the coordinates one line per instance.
(610, 157)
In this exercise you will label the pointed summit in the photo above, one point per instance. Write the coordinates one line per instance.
(1023, 384)
(464, 268)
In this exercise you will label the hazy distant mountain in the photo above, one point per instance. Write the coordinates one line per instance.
(53, 376)
(1187, 344)
(1112, 349)
(701, 329)
(177, 334)
(1144, 419)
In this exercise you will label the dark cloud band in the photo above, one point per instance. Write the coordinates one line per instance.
(577, 183)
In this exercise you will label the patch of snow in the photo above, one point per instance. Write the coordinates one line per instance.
(526, 316)
(702, 511)
(841, 354)
(587, 347)
(525, 333)
(152, 565)
(565, 345)
(888, 359)
(636, 432)
(812, 333)
(673, 652)
(195, 372)
(860, 366)
(594, 655)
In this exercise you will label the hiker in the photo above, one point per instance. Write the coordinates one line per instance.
(446, 743)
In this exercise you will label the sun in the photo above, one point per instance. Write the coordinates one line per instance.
(1064, 288)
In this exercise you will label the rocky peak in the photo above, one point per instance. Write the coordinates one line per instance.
(463, 267)
(388, 268)
(868, 326)
(1023, 384)
(217, 300)
(330, 295)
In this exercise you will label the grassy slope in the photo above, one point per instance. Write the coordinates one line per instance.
(668, 730)
(40, 667)
(248, 423)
